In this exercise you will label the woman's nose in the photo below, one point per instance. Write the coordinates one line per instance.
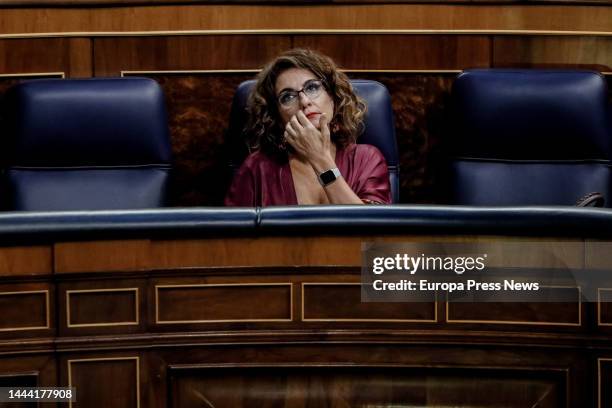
(304, 99)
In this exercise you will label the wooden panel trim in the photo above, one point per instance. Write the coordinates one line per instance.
(304, 319)
(61, 75)
(128, 323)
(255, 71)
(192, 71)
(85, 360)
(519, 322)
(158, 321)
(47, 310)
(599, 379)
(599, 322)
(302, 31)
(143, 3)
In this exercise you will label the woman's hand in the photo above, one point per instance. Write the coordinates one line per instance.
(311, 144)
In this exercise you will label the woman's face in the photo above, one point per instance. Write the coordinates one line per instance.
(289, 104)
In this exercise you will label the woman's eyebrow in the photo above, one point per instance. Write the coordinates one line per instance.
(303, 84)
(286, 89)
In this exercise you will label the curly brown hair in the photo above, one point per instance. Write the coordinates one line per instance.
(265, 128)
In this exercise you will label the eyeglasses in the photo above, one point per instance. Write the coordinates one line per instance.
(312, 89)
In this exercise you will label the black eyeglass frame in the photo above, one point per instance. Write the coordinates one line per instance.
(297, 93)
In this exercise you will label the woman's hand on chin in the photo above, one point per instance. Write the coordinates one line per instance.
(309, 143)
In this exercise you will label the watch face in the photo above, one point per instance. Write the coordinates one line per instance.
(327, 177)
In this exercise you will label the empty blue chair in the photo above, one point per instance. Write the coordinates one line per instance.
(379, 126)
(87, 144)
(530, 137)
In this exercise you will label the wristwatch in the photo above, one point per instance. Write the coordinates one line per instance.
(329, 176)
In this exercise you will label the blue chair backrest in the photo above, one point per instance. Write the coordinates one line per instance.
(87, 144)
(379, 126)
(530, 137)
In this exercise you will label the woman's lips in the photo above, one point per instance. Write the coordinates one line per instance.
(312, 115)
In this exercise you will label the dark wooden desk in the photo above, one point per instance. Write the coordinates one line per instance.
(277, 322)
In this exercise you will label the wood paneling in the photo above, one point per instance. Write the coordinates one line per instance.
(16, 381)
(270, 251)
(364, 387)
(94, 307)
(34, 260)
(520, 313)
(604, 304)
(114, 55)
(604, 386)
(198, 115)
(98, 256)
(102, 307)
(28, 371)
(151, 2)
(401, 52)
(105, 382)
(223, 303)
(240, 311)
(556, 52)
(72, 56)
(342, 302)
(24, 308)
(421, 106)
(347, 17)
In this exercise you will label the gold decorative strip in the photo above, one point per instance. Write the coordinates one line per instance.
(35, 75)
(195, 71)
(158, 321)
(599, 322)
(599, 385)
(347, 70)
(301, 31)
(47, 310)
(87, 360)
(128, 323)
(520, 322)
(255, 71)
(304, 319)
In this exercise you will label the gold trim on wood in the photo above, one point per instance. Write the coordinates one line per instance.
(191, 71)
(599, 360)
(129, 323)
(255, 71)
(403, 71)
(599, 323)
(85, 360)
(47, 310)
(304, 319)
(157, 287)
(302, 31)
(520, 322)
(347, 70)
(61, 75)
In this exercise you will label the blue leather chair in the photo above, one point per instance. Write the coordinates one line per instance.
(530, 137)
(87, 144)
(379, 126)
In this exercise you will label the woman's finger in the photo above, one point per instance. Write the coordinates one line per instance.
(295, 124)
(324, 124)
(289, 129)
(303, 119)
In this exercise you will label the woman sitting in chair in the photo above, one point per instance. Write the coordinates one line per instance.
(304, 119)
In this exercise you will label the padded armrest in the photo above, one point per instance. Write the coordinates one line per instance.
(309, 220)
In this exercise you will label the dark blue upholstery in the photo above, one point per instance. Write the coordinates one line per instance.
(530, 137)
(379, 126)
(87, 144)
(44, 227)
